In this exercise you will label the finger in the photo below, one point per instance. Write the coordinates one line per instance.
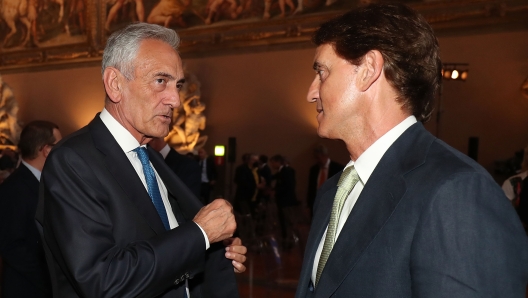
(236, 241)
(235, 257)
(240, 249)
(239, 267)
(229, 242)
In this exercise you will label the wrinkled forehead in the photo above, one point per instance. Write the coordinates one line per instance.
(157, 55)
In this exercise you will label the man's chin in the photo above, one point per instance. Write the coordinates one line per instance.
(158, 134)
(322, 133)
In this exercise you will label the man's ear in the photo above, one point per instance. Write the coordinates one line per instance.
(112, 79)
(371, 69)
(45, 151)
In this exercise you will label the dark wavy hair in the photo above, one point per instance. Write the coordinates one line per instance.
(406, 42)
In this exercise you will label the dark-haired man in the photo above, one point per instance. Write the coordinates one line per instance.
(25, 270)
(409, 216)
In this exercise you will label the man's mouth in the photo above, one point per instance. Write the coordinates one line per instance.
(166, 117)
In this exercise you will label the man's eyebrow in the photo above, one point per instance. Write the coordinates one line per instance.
(181, 81)
(164, 74)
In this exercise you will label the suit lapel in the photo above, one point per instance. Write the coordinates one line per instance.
(372, 209)
(380, 196)
(124, 173)
(319, 223)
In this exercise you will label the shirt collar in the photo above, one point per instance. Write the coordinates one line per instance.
(165, 151)
(123, 137)
(32, 169)
(367, 162)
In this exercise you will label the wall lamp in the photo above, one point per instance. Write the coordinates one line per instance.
(219, 152)
(455, 71)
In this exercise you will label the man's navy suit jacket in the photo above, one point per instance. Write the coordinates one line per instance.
(103, 236)
(25, 271)
(430, 222)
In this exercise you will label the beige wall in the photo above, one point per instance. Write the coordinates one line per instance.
(260, 99)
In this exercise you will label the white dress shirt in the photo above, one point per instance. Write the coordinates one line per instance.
(128, 143)
(165, 151)
(364, 165)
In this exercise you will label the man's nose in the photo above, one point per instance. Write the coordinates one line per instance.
(174, 98)
(313, 91)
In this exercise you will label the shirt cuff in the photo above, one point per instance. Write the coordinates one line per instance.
(207, 244)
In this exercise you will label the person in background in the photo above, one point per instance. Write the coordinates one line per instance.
(513, 185)
(264, 172)
(286, 199)
(323, 169)
(247, 181)
(8, 163)
(208, 174)
(25, 271)
(185, 168)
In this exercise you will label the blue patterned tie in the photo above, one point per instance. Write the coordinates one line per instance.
(152, 185)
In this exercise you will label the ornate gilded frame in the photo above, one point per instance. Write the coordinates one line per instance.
(253, 33)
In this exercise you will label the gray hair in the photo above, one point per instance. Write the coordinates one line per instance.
(122, 46)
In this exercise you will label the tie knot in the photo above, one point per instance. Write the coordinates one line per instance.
(142, 155)
(348, 178)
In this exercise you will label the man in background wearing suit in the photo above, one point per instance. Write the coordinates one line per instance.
(185, 168)
(286, 199)
(208, 172)
(117, 222)
(323, 169)
(409, 216)
(264, 172)
(25, 271)
(247, 181)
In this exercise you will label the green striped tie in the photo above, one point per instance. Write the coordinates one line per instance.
(346, 183)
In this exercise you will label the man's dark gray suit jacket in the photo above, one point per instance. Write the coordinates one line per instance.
(430, 222)
(103, 236)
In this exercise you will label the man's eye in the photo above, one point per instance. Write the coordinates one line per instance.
(320, 74)
(179, 86)
(160, 81)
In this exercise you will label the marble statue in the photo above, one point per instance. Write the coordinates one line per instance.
(9, 128)
(188, 120)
